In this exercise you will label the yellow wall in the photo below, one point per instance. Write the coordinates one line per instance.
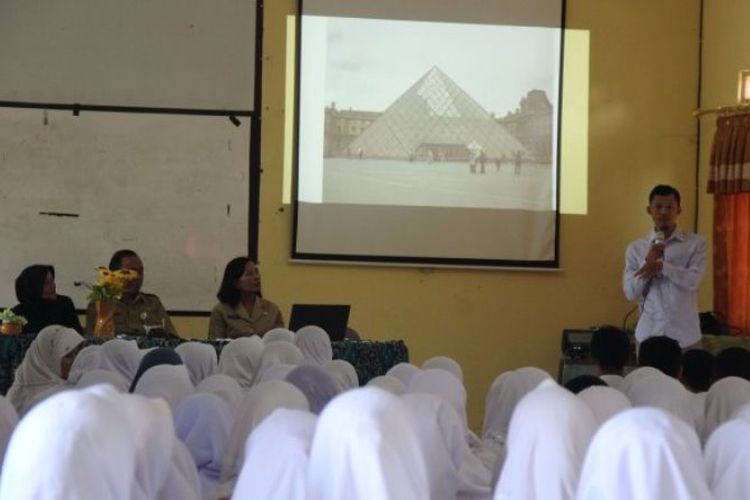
(641, 133)
(725, 53)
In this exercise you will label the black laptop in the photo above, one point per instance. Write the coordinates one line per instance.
(331, 318)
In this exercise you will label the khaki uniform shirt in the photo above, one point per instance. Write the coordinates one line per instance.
(232, 322)
(130, 318)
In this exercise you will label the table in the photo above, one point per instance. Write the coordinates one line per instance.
(370, 358)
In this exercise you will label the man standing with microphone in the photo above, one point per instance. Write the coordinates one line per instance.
(663, 271)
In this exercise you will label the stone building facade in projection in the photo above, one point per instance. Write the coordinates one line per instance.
(435, 120)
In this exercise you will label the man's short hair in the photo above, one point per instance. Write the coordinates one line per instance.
(115, 262)
(697, 369)
(581, 382)
(610, 347)
(662, 353)
(664, 190)
(733, 362)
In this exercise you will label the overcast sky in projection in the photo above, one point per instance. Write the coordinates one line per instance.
(371, 62)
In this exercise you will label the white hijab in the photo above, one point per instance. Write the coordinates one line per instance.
(203, 423)
(182, 479)
(120, 356)
(366, 447)
(200, 359)
(727, 457)
(504, 394)
(549, 433)
(344, 373)
(644, 454)
(240, 358)
(40, 371)
(724, 398)
(57, 449)
(403, 371)
(442, 384)
(452, 468)
(661, 391)
(604, 402)
(8, 422)
(99, 376)
(170, 382)
(85, 361)
(226, 388)
(278, 335)
(315, 345)
(260, 402)
(388, 383)
(445, 363)
(276, 457)
(275, 354)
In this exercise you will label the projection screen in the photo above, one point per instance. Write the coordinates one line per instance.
(428, 132)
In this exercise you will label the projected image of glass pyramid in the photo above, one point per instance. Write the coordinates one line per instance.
(436, 119)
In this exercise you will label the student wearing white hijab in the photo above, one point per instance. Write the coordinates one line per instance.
(276, 457)
(200, 360)
(315, 383)
(85, 361)
(727, 456)
(366, 447)
(225, 387)
(444, 385)
(8, 422)
(240, 358)
(445, 363)
(278, 335)
(260, 402)
(45, 366)
(203, 422)
(388, 383)
(315, 345)
(169, 382)
(723, 399)
(275, 354)
(56, 451)
(604, 402)
(344, 373)
(276, 372)
(403, 371)
(644, 454)
(549, 433)
(99, 376)
(120, 356)
(453, 471)
(661, 391)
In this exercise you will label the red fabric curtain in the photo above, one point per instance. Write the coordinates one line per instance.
(729, 181)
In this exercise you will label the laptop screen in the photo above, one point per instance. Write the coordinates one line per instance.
(331, 318)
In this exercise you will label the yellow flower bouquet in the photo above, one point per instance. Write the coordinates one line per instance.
(110, 284)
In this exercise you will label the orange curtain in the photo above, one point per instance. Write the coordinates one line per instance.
(729, 181)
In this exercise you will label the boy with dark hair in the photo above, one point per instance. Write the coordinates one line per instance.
(733, 362)
(610, 348)
(697, 370)
(661, 353)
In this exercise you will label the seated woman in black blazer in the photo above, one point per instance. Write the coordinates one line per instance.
(39, 302)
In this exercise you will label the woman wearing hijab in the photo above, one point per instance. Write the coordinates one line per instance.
(155, 357)
(120, 356)
(276, 457)
(240, 359)
(315, 345)
(203, 422)
(90, 444)
(644, 454)
(199, 358)
(726, 457)
(45, 366)
(169, 382)
(242, 311)
(39, 302)
(366, 447)
(316, 384)
(549, 434)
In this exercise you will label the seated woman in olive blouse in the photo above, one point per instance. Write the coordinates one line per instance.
(241, 311)
(39, 302)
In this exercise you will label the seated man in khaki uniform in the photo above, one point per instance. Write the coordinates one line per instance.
(136, 310)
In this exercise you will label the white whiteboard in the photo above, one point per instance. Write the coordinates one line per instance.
(193, 54)
(172, 188)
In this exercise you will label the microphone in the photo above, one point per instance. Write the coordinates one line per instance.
(659, 238)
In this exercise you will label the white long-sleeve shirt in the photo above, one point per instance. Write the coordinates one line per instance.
(669, 306)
